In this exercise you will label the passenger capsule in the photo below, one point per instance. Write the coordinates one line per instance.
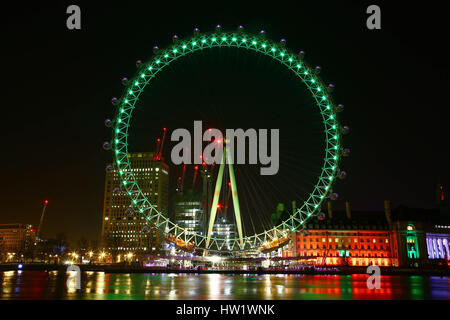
(346, 152)
(342, 175)
(117, 190)
(115, 101)
(108, 123)
(107, 145)
(125, 81)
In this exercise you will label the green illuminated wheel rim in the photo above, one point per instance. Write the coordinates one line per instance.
(245, 41)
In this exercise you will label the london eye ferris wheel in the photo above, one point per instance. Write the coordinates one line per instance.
(308, 205)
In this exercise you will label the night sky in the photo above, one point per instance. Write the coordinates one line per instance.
(57, 86)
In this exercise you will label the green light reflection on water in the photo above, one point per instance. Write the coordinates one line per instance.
(140, 286)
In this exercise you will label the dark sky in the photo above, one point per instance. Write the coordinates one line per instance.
(57, 86)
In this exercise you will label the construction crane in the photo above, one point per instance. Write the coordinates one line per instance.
(180, 181)
(159, 147)
(195, 176)
(38, 235)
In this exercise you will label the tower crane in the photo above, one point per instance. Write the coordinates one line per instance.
(159, 147)
(38, 235)
(195, 176)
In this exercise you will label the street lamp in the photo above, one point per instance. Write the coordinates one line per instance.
(102, 255)
(129, 256)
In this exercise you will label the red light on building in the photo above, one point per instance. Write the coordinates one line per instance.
(46, 201)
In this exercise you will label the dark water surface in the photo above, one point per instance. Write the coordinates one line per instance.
(119, 286)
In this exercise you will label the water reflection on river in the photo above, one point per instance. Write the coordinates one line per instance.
(100, 285)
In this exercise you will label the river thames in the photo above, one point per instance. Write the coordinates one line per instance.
(140, 286)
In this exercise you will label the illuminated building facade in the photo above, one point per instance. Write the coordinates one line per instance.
(348, 238)
(224, 229)
(405, 237)
(123, 227)
(188, 210)
(423, 235)
(438, 244)
(189, 214)
(16, 237)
